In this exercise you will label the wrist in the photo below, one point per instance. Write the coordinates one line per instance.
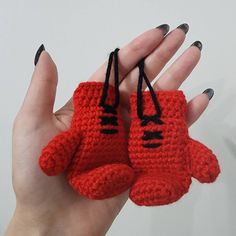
(26, 221)
(39, 222)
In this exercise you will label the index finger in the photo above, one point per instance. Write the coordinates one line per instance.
(130, 54)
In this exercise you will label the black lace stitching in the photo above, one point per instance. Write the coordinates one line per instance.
(145, 119)
(110, 109)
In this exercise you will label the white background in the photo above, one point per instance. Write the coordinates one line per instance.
(79, 35)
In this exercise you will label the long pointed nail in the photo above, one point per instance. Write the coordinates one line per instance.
(209, 92)
(197, 44)
(38, 53)
(184, 27)
(164, 27)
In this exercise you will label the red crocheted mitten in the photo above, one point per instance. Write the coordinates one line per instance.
(93, 152)
(162, 154)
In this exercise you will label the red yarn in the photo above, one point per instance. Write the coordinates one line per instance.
(163, 173)
(96, 164)
(204, 165)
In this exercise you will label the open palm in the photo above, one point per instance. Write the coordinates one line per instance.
(50, 200)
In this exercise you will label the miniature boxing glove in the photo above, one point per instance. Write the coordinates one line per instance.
(93, 152)
(161, 152)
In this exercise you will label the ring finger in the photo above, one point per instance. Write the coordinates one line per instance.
(175, 75)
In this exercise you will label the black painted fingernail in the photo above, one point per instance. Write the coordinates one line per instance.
(197, 44)
(38, 53)
(184, 27)
(209, 92)
(165, 28)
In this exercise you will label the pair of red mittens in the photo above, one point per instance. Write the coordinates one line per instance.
(161, 152)
(93, 152)
(94, 155)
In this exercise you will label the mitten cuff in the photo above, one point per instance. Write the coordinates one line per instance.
(90, 93)
(172, 103)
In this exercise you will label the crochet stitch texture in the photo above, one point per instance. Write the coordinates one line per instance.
(93, 152)
(162, 154)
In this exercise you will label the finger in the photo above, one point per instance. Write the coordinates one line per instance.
(197, 106)
(40, 96)
(175, 75)
(130, 54)
(155, 61)
(65, 113)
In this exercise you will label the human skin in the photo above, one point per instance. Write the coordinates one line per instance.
(48, 205)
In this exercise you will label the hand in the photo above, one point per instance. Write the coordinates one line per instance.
(48, 205)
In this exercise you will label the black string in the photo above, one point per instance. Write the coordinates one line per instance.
(152, 135)
(110, 109)
(152, 145)
(142, 76)
(109, 131)
(155, 119)
(112, 120)
(145, 119)
(116, 81)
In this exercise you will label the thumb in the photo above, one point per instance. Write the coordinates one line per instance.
(41, 93)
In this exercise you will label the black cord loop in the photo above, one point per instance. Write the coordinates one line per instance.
(110, 109)
(116, 81)
(145, 119)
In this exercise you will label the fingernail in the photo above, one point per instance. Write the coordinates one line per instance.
(209, 92)
(164, 27)
(38, 53)
(197, 44)
(184, 27)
